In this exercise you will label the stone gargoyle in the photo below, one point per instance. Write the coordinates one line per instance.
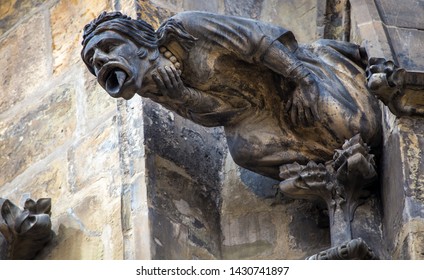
(286, 108)
(23, 233)
(279, 102)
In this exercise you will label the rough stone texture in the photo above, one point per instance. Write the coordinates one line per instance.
(368, 29)
(184, 219)
(25, 60)
(204, 5)
(184, 164)
(42, 128)
(132, 180)
(265, 228)
(402, 187)
(58, 137)
(67, 20)
(297, 16)
(97, 101)
(94, 161)
(11, 11)
(246, 8)
(393, 32)
(408, 15)
(151, 13)
(407, 44)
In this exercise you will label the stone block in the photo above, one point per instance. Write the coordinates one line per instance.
(98, 103)
(202, 5)
(244, 8)
(72, 243)
(298, 16)
(36, 132)
(198, 150)
(405, 14)
(87, 226)
(407, 45)
(402, 185)
(186, 219)
(47, 181)
(94, 160)
(255, 227)
(68, 19)
(152, 13)
(25, 59)
(11, 11)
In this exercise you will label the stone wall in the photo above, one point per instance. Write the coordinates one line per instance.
(129, 179)
(395, 32)
(59, 137)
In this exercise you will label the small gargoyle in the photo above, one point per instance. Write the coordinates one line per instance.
(23, 233)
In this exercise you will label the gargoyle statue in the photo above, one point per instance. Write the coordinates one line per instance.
(23, 233)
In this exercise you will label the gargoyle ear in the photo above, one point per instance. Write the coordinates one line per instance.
(30, 205)
(44, 206)
(10, 212)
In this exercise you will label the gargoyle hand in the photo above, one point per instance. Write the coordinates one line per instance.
(170, 85)
(302, 106)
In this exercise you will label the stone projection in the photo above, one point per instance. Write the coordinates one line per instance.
(301, 114)
(23, 233)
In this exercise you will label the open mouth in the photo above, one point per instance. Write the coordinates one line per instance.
(115, 79)
(112, 78)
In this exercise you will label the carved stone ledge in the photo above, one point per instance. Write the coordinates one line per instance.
(355, 249)
(343, 184)
(23, 233)
(398, 88)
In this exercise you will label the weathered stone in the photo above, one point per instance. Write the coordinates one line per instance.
(72, 243)
(368, 29)
(97, 103)
(37, 132)
(67, 20)
(257, 228)
(402, 184)
(89, 229)
(246, 8)
(24, 56)
(298, 16)
(186, 219)
(152, 13)
(94, 161)
(50, 181)
(407, 46)
(11, 11)
(407, 14)
(197, 149)
(202, 5)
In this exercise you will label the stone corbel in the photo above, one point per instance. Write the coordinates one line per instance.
(399, 89)
(23, 233)
(342, 184)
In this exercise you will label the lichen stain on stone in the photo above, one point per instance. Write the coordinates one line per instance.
(5, 8)
(247, 251)
(411, 144)
(410, 241)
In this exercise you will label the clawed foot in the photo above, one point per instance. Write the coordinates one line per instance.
(353, 160)
(306, 182)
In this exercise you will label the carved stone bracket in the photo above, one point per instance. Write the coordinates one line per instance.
(355, 249)
(23, 233)
(343, 184)
(398, 88)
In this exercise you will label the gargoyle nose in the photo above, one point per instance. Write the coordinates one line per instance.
(99, 59)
